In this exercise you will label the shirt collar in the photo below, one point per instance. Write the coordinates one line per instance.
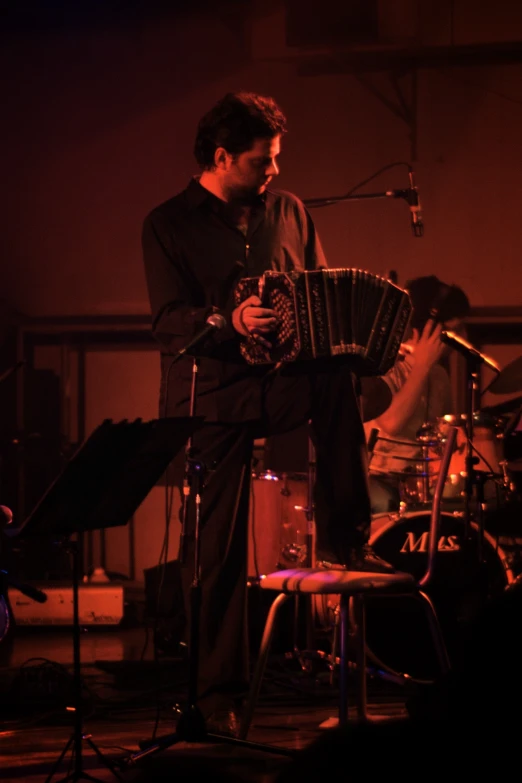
(197, 195)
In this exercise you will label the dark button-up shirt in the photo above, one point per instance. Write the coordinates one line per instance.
(194, 256)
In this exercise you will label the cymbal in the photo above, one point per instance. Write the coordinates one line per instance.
(503, 408)
(509, 379)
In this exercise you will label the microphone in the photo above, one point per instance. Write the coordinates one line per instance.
(467, 350)
(215, 322)
(415, 207)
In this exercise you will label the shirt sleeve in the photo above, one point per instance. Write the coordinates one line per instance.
(314, 253)
(175, 296)
(397, 376)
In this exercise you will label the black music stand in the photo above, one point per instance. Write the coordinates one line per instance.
(101, 487)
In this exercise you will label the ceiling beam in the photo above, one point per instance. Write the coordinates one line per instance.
(375, 59)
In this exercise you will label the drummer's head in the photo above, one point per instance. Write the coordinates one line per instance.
(444, 302)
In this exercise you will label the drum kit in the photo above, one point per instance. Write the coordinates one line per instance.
(481, 505)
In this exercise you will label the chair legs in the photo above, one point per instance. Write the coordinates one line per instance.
(361, 692)
(347, 628)
(259, 671)
(352, 623)
(436, 632)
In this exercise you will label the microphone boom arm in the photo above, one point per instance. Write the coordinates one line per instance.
(467, 350)
(324, 202)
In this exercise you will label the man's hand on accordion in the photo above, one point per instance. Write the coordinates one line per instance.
(252, 320)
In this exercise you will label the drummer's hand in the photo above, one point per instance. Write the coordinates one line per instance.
(252, 320)
(428, 346)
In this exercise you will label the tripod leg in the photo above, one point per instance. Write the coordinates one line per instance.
(59, 760)
(79, 773)
(103, 758)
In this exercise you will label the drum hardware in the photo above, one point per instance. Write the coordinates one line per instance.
(471, 564)
(418, 552)
(478, 471)
(474, 360)
(279, 504)
(276, 538)
(306, 559)
(487, 448)
(415, 480)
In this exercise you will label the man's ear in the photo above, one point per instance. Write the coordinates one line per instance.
(221, 159)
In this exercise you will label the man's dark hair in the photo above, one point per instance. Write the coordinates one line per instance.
(433, 298)
(235, 122)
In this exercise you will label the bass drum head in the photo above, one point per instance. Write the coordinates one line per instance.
(397, 631)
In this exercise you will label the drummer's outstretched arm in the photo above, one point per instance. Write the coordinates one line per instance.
(408, 383)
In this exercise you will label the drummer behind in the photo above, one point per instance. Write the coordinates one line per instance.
(420, 385)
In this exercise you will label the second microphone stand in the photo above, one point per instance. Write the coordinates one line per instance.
(191, 724)
(474, 479)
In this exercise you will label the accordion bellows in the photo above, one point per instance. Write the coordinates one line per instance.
(329, 313)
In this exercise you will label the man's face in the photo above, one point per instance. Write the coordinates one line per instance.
(249, 173)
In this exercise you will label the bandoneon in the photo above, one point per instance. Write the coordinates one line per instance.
(329, 313)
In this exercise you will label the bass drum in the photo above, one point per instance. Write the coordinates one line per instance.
(397, 630)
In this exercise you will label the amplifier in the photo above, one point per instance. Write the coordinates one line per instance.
(98, 605)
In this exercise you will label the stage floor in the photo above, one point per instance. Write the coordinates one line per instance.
(126, 691)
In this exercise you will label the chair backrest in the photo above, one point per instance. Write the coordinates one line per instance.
(435, 510)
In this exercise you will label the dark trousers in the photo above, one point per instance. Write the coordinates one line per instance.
(342, 509)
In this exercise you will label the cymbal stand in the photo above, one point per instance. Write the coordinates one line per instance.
(470, 460)
(472, 369)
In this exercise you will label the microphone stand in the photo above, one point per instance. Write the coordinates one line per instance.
(474, 478)
(470, 460)
(410, 195)
(327, 200)
(191, 725)
(474, 359)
